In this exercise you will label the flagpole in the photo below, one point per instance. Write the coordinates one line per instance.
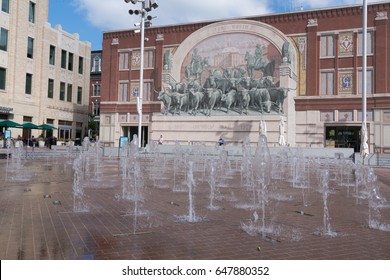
(364, 148)
(364, 72)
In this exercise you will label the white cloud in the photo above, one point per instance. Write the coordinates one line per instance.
(113, 14)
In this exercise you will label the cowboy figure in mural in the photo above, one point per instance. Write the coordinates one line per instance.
(259, 62)
(258, 56)
(196, 66)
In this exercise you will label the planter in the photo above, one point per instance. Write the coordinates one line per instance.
(41, 144)
(60, 143)
(70, 143)
(18, 144)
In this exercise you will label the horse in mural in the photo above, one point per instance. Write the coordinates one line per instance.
(253, 63)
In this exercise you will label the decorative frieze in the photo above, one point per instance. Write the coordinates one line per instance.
(312, 22)
(115, 41)
(381, 15)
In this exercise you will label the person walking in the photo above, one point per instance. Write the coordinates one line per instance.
(221, 142)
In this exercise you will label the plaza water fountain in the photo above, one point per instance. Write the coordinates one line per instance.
(260, 190)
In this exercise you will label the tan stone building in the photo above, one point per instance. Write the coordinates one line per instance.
(44, 71)
(315, 56)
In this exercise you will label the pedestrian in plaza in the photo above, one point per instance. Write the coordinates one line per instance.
(221, 141)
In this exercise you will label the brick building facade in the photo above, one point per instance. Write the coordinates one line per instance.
(315, 56)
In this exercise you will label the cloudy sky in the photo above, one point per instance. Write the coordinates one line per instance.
(90, 18)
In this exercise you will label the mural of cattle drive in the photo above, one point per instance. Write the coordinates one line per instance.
(235, 73)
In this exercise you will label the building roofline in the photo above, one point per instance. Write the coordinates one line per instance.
(249, 17)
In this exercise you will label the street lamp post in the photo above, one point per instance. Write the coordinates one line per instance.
(364, 74)
(147, 6)
(364, 148)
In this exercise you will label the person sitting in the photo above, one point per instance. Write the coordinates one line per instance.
(221, 142)
(161, 140)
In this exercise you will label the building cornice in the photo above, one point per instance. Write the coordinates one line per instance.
(269, 19)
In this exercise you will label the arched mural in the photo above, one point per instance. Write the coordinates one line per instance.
(228, 67)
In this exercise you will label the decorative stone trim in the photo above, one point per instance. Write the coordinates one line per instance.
(160, 37)
(312, 22)
(115, 41)
(381, 15)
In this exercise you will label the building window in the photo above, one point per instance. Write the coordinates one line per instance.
(148, 91)
(28, 83)
(69, 93)
(3, 39)
(70, 62)
(369, 83)
(327, 83)
(64, 130)
(30, 47)
(27, 119)
(79, 95)
(123, 94)
(3, 76)
(31, 12)
(52, 55)
(96, 108)
(124, 61)
(96, 90)
(327, 46)
(5, 6)
(369, 43)
(79, 130)
(63, 59)
(62, 91)
(50, 88)
(96, 65)
(149, 59)
(81, 65)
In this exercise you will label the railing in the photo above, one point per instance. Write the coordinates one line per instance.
(378, 151)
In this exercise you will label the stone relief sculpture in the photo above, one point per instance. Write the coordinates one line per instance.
(238, 80)
(286, 52)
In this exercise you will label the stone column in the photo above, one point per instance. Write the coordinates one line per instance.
(312, 58)
(288, 80)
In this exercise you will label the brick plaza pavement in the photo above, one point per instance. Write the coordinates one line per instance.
(40, 220)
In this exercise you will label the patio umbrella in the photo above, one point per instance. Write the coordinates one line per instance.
(30, 126)
(9, 123)
(46, 127)
(364, 150)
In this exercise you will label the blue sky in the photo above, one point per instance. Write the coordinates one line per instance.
(90, 18)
